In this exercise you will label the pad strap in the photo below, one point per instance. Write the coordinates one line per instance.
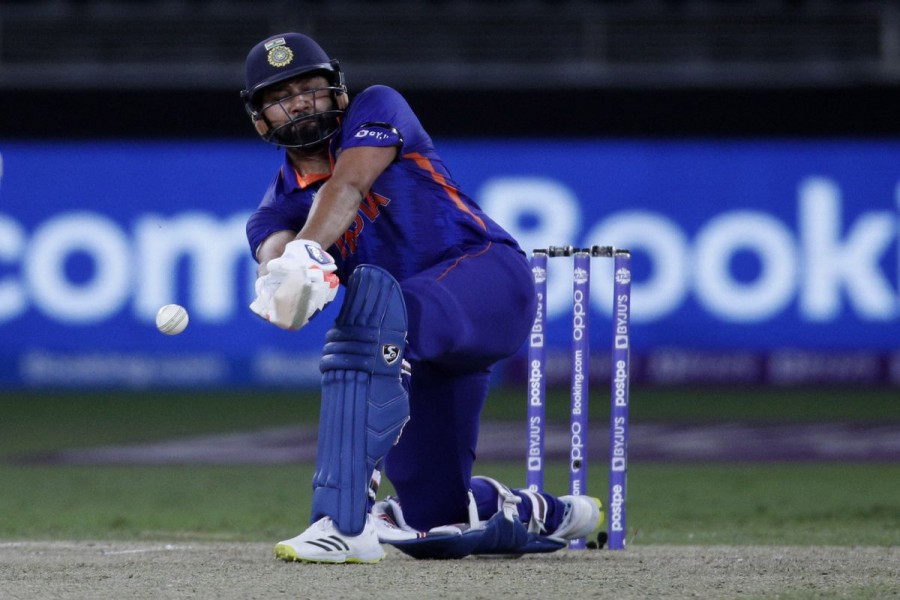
(538, 511)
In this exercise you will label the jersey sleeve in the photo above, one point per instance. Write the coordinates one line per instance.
(267, 219)
(380, 117)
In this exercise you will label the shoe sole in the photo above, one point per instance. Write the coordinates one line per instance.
(602, 520)
(289, 554)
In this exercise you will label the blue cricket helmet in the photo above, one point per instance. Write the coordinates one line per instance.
(285, 56)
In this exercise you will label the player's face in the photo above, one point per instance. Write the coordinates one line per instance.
(301, 96)
(294, 104)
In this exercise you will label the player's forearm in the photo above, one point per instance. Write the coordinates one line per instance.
(337, 202)
(272, 247)
(332, 213)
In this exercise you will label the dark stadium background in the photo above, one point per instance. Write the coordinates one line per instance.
(92, 68)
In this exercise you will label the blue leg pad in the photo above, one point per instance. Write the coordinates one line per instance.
(440, 546)
(364, 401)
(502, 536)
(540, 543)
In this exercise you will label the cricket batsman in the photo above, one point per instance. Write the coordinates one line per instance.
(435, 294)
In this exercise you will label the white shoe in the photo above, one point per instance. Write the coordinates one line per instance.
(584, 514)
(323, 543)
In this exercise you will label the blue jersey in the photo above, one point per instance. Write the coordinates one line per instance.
(414, 217)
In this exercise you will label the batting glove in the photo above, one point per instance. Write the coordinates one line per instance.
(298, 285)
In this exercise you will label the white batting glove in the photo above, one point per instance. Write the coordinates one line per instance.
(265, 289)
(299, 284)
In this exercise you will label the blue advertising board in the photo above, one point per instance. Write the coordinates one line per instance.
(756, 260)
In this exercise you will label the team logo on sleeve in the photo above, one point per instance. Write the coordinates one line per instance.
(279, 54)
(379, 134)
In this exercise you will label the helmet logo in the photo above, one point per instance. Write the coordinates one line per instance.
(279, 54)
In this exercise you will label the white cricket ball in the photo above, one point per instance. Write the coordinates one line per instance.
(171, 319)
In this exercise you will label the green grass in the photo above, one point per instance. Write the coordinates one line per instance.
(843, 504)
(179, 502)
(819, 504)
(834, 503)
(36, 421)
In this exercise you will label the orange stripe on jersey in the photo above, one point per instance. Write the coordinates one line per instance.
(304, 181)
(462, 258)
(424, 163)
